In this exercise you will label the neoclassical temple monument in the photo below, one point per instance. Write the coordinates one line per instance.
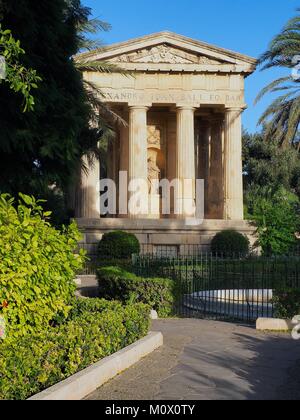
(183, 103)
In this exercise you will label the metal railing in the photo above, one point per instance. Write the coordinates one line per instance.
(235, 288)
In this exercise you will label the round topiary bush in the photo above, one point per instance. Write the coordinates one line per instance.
(118, 245)
(230, 243)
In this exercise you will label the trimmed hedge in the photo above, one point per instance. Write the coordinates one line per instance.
(126, 264)
(229, 243)
(286, 303)
(95, 329)
(117, 283)
(118, 245)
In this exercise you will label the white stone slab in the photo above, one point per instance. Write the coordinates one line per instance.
(274, 324)
(88, 380)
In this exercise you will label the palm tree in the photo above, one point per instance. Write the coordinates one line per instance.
(282, 117)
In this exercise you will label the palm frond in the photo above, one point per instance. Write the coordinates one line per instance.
(281, 119)
(93, 26)
(86, 44)
(100, 67)
(270, 88)
(95, 94)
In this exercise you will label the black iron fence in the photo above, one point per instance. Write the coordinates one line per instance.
(190, 250)
(218, 287)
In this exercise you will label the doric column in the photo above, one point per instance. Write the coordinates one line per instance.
(88, 196)
(124, 166)
(124, 147)
(185, 165)
(233, 168)
(138, 162)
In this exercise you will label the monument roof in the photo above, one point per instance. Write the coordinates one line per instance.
(168, 51)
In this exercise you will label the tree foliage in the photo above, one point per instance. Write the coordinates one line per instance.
(267, 165)
(277, 216)
(272, 192)
(70, 119)
(44, 147)
(19, 78)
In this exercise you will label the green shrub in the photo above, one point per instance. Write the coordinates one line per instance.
(83, 306)
(230, 242)
(126, 264)
(286, 303)
(37, 266)
(119, 284)
(276, 214)
(39, 361)
(118, 245)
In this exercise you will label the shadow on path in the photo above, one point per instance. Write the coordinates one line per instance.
(206, 360)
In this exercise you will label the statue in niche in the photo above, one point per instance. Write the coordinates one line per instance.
(153, 136)
(153, 171)
(154, 146)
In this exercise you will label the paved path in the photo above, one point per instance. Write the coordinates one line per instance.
(211, 360)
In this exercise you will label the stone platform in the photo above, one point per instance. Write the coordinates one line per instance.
(169, 235)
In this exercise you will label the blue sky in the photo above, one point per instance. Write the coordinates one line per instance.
(240, 25)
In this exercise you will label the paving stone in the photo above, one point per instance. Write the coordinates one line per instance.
(206, 360)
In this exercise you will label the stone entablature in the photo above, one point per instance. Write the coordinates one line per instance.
(170, 69)
(195, 98)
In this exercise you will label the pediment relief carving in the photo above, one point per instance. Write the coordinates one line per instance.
(164, 54)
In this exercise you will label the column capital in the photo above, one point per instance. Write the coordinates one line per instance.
(235, 109)
(185, 107)
(139, 107)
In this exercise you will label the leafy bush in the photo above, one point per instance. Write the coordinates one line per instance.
(277, 216)
(96, 329)
(37, 266)
(83, 306)
(118, 245)
(286, 303)
(126, 264)
(230, 242)
(117, 283)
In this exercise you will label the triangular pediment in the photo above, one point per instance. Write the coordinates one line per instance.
(164, 54)
(169, 51)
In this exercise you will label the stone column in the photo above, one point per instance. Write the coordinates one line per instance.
(124, 164)
(88, 196)
(124, 146)
(185, 165)
(138, 160)
(233, 168)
